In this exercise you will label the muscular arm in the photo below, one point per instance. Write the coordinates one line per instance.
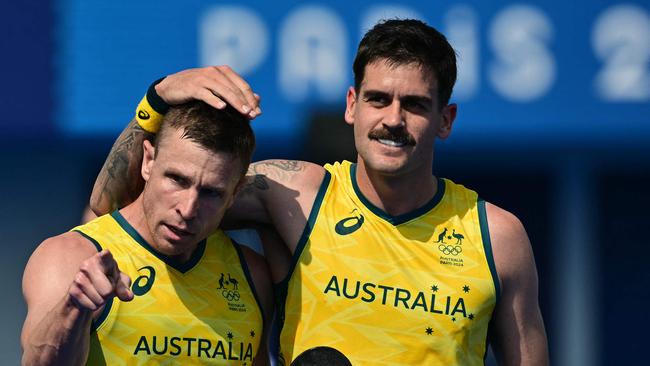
(280, 193)
(120, 181)
(518, 335)
(63, 291)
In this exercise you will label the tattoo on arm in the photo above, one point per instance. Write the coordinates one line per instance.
(279, 170)
(119, 182)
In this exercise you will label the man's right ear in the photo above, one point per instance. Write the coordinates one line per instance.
(149, 152)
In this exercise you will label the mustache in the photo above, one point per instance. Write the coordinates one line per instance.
(397, 135)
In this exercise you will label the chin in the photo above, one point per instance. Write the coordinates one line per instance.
(387, 166)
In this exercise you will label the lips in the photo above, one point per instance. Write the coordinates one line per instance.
(396, 138)
(391, 143)
(178, 232)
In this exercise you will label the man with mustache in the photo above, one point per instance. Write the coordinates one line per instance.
(390, 264)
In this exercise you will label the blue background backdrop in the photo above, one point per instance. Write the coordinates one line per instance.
(554, 124)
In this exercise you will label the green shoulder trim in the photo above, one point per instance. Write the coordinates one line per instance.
(107, 308)
(309, 225)
(399, 219)
(180, 267)
(487, 246)
(281, 288)
(249, 277)
(91, 239)
(102, 317)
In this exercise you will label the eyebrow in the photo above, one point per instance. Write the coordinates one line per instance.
(412, 97)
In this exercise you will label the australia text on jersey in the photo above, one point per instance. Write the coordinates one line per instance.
(397, 297)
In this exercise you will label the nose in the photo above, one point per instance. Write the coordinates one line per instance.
(394, 117)
(188, 206)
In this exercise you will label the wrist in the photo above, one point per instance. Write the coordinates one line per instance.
(151, 110)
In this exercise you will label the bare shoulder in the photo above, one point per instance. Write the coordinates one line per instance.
(49, 273)
(510, 244)
(56, 259)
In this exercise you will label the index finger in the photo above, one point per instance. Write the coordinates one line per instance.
(245, 90)
(109, 265)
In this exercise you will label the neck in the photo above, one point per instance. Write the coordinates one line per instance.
(135, 215)
(396, 194)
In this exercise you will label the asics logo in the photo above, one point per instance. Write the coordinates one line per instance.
(349, 224)
(143, 283)
(142, 114)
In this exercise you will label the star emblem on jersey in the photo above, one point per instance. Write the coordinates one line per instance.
(434, 288)
(350, 224)
(465, 289)
(429, 331)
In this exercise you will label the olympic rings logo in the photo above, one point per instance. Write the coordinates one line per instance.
(230, 295)
(450, 249)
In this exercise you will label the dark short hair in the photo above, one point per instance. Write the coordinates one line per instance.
(321, 356)
(218, 130)
(406, 41)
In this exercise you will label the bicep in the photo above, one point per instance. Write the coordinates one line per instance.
(518, 335)
(277, 192)
(48, 275)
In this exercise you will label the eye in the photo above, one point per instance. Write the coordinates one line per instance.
(415, 105)
(377, 100)
(209, 192)
(177, 179)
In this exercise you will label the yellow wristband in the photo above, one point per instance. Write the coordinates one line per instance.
(151, 110)
(147, 117)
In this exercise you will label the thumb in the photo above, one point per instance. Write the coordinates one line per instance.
(123, 287)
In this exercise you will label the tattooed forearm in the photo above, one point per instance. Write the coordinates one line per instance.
(119, 182)
(287, 165)
(260, 173)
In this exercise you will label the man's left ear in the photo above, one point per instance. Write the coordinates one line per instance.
(238, 188)
(448, 117)
(149, 153)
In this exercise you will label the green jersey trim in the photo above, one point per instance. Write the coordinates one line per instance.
(249, 277)
(91, 239)
(281, 288)
(487, 246)
(399, 219)
(180, 267)
(107, 307)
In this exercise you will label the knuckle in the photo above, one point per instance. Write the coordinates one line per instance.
(80, 279)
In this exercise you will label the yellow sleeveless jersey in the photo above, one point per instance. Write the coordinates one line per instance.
(204, 311)
(415, 289)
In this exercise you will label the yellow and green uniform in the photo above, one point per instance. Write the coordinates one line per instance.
(414, 289)
(204, 311)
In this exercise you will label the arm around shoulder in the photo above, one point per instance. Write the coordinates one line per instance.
(278, 192)
(518, 336)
